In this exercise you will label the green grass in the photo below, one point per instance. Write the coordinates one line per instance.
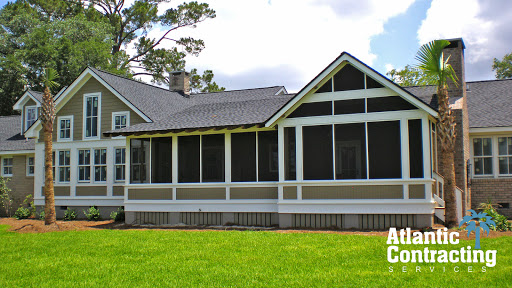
(149, 258)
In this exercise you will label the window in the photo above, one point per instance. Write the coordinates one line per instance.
(482, 152)
(327, 87)
(268, 158)
(384, 153)
(84, 165)
(139, 155)
(31, 116)
(312, 109)
(243, 157)
(119, 164)
(391, 103)
(371, 83)
(100, 165)
(91, 119)
(188, 159)
(350, 144)
(7, 166)
(289, 154)
(161, 160)
(349, 106)
(65, 128)
(505, 155)
(415, 149)
(30, 166)
(213, 158)
(64, 166)
(317, 152)
(120, 120)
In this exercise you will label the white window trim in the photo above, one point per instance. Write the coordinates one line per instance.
(28, 166)
(498, 155)
(71, 120)
(121, 113)
(494, 157)
(115, 164)
(87, 95)
(26, 114)
(93, 165)
(90, 165)
(2, 166)
(58, 166)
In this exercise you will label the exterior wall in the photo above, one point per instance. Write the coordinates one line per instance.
(497, 190)
(109, 103)
(20, 184)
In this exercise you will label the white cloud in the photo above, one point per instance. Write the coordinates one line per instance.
(284, 34)
(479, 24)
(389, 67)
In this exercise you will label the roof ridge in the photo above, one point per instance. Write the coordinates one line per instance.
(6, 116)
(235, 90)
(491, 80)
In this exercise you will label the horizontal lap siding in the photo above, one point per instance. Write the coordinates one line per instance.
(254, 193)
(353, 192)
(20, 184)
(118, 191)
(109, 103)
(150, 194)
(417, 191)
(290, 192)
(91, 191)
(200, 193)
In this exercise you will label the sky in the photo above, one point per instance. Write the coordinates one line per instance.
(259, 43)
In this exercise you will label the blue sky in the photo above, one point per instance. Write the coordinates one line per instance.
(261, 43)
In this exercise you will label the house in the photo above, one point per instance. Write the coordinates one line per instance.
(351, 149)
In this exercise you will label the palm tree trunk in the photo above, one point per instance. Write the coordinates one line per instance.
(446, 128)
(49, 199)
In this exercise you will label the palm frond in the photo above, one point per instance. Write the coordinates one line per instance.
(431, 60)
(49, 77)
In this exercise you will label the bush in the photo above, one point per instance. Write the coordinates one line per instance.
(117, 216)
(502, 223)
(41, 215)
(92, 214)
(29, 203)
(22, 213)
(69, 215)
(5, 196)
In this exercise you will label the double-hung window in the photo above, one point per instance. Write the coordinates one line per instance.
(100, 165)
(505, 155)
(7, 166)
(31, 116)
(120, 120)
(65, 126)
(91, 115)
(30, 166)
(482, 156)
(119, 163)
(64, 166)
(84, 165)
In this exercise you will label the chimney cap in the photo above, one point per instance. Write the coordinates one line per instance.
(454, 43)
(179, 72)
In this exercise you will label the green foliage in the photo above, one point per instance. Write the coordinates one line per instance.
(502, 223)
(503, 67)
(410, 76)
(5, 195)
(69, 215)
(92, 214)
(204, 83)
(22, 213)
(41, 215)
(29, 203)
(432, 62)
(117, 216)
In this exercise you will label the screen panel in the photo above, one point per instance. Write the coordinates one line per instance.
(243, 157)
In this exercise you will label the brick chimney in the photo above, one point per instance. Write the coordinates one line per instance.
(460, 110)
(179, 81)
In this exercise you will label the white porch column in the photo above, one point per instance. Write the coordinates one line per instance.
(174, 164)
(404, 138)
(425, 133)
(227, 164)
(298, 153)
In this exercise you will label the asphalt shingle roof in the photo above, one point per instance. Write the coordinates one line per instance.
(490, 103)
(37, 95)
(10, 137)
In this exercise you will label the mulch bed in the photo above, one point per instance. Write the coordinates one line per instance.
(37, 226)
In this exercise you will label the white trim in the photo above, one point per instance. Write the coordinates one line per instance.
(17, 152)
(28, 166)
(281, 91)
(115, 164)
(507, 129)
(25, 118)
(23, 100)
(71, 123)
(84, 117)
(2, 166)
(120, 113)
(342, 60)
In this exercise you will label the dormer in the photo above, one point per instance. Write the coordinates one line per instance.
(29, 106)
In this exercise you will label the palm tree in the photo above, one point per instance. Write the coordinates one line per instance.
(471, 225)
(431, 61)
(47, 119)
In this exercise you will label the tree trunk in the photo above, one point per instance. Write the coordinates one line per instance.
(49, 199)
(447, 162)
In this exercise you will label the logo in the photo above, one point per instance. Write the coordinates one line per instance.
(472, 220)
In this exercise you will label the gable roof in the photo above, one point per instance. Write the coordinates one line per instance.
(29, 94)
(10, 137)
(490, 103)
(347, 57)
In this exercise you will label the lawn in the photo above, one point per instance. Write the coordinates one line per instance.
(167, 258)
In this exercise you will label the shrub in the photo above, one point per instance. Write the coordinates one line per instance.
(69, 215)
(117, 216)
(22, 213)
(5, 196)
(92, 214)
(502, 223)
(29, 203)
(41, 215)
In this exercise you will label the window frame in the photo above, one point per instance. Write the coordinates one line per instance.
(492, 157)
(61, 118)
(33, 165)
(119, 164)
(498, 156)
(59, 166)
(94, 164)
(26, 116)
(84, 165)
(120, 113)
(7, 166)
(84, 120)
